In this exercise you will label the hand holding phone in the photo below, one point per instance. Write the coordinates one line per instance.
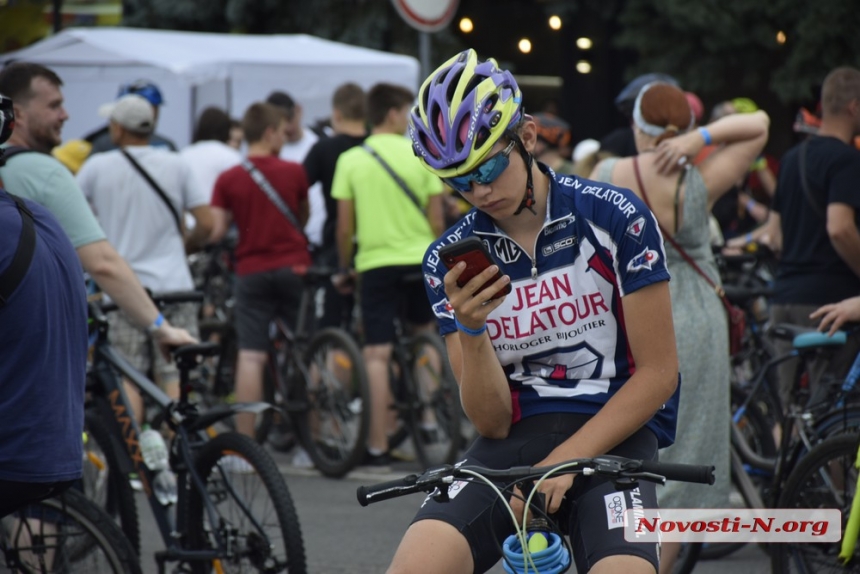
(471, 251)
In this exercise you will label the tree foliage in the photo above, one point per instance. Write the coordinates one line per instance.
(715, 46)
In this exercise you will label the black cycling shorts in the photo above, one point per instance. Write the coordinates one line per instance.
(389, 292)
(587, 514)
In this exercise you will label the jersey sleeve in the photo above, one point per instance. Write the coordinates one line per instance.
(193, 192)
(434, 272)
(628, 231)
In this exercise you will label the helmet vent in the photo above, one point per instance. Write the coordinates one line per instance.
(481, 136)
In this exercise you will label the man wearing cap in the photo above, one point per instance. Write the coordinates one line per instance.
(101, 140)
(139, 194)
(35, 175)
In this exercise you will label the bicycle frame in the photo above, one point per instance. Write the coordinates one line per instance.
(852, 526)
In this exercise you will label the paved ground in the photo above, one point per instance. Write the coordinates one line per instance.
(342, 537)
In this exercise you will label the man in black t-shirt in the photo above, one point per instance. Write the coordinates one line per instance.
(820, 260)
(348, 123)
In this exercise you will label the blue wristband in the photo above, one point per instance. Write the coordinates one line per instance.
(706, 135)
(468, 331)
(749, 237)
(159, 321)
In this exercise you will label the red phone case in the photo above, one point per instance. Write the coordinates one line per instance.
(471, 251)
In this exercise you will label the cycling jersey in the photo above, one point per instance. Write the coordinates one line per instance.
(560, 334)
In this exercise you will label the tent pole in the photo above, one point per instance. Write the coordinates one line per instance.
(424, 54)
(58, 15)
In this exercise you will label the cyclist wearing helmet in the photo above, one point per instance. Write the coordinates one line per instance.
(100, 139)
(578, 360)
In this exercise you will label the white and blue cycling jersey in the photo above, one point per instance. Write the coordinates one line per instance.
(560, 333)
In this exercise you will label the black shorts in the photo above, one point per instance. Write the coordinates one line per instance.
(477, 513)
(260, 297)
(389, 292)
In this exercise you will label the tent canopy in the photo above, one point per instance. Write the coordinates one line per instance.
(196, 70)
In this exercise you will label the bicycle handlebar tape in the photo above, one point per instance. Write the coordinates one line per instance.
(385, 490)
(553, 559)
(683, 472)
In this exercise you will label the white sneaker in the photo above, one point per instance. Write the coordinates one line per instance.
(236, 464)
(302, 459)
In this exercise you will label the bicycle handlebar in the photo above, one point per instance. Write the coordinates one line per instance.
(615, 467)
(161, 299)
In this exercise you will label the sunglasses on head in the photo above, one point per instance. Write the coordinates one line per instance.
(484, 174)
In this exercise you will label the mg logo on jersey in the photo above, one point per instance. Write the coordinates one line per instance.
(636, 228)
(644, 260)
(506, 250)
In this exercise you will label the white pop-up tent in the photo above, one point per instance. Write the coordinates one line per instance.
(196, 70)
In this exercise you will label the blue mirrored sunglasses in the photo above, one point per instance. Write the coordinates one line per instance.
(484, 174)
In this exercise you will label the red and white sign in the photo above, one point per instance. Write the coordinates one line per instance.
(427, 15)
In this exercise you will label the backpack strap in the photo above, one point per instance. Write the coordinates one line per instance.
(14, 274)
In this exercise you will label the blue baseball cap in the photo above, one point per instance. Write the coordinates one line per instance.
(142, 88)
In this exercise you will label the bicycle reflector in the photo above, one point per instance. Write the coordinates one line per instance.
(553, 559)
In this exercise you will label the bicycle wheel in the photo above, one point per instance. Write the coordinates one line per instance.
(825, 478)
(330, 406)
(103, 481)
(66, 534)
(256, 518)
(433, 413)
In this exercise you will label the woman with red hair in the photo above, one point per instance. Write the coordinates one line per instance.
(681, 196)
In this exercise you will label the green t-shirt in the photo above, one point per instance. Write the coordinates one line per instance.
(390, 229)
(43, 179)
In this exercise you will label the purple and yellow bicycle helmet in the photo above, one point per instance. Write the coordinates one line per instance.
(464, 107)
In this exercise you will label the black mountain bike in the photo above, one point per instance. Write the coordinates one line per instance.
(233, 511)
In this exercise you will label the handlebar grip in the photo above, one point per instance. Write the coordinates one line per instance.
(177, 297)
(683, 472)
(385, 490)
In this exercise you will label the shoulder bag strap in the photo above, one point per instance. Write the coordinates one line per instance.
(14, 274)
(394, 175)
(717, 289)
(273, 196)
(805, 184)
(157, 189)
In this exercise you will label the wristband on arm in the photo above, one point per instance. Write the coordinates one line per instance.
(468, 331)
(159, 321)
(706, 135)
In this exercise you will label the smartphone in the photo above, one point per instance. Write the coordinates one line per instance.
(471, 250)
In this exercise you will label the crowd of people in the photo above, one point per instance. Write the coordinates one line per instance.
(612, 339)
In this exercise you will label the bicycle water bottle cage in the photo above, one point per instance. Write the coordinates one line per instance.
(815, 339)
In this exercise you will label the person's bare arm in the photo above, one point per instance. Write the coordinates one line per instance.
(844, 235)
(650, 332)
(115, 277)
(484, 390)
(221, 219)
(742, 137)
(202, 228)
(436, 214)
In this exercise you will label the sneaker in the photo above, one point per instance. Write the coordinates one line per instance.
(302, 459)
(380, 462)
(134, 482)
(236, 464)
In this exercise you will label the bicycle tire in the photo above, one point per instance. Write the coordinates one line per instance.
(439, 444)
(120, 501)
(331, 405)
(804, 490)
(84, 533)
(279, 548)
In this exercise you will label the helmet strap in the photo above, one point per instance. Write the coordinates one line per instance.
(529, 195)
